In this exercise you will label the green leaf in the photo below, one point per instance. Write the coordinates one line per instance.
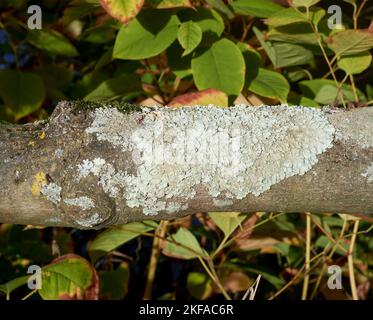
(163, 4)
(270, 84)
(210, 22)
(189, 36)
(324, 241)
(220, 6)
(287, 55)
(292, 253)
(219, 67)
(227, 221)
(12, 285)
(252, 59)
(284, 17)
(300, 100)
(303, 3)
(325, 91)
(115, 88)
(201, 98)
(112, 238)
(146, 36)
(300, 33)
(186, 246)
(199, 285)
(267, 46)
(350, 42)
(114, 284)
(52, 42)
(69, 277)
(23, 93)
(260, 9)
(122, 10)
(355, 64)
(290, 16)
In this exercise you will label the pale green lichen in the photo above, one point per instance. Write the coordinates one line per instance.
(230, 151)
(84, 202)
(89, 221)
(52, 191)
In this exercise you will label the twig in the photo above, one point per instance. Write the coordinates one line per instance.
(308, 257)
(351, 261)
(160, 232)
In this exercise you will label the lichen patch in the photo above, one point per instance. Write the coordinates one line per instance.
(88, 222)
(236, 151)
(52, 191)
(84, 202)
(368, 173)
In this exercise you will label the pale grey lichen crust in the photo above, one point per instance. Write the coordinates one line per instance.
(232, 151)
(84, 202)
(89, 221)
(52, 191)
(368, 173)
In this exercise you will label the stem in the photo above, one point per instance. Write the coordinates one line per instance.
(316, 32)
(160, 232)
(308, 256)
(351, 261)
(29, 294)
(214, 277)
(354, 88)
(358, 12)
(344, 227)
(218, 283)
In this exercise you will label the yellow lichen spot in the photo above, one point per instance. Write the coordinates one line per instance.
(40, 180)
(31, 143)
(42, 135)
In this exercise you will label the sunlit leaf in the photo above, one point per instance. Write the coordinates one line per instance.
(145, 36)
(112, 238)
(183, 245)
(122, 10)
(303, 3)
(189, 36)
(270, 84)
(163, 4)
(355, 64)
(219, 67)
(69, 277)
(260, 9)
(227, 221)
(201, 98)
(52, 42)
(350, 42)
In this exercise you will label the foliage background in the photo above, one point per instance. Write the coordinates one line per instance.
(186, 52)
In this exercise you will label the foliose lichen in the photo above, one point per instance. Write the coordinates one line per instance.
(230, 151)
(84, 202)
(52, 191)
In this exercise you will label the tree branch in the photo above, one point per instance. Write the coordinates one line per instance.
(95, 166)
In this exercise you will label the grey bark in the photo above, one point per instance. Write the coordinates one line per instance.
(49, 175)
